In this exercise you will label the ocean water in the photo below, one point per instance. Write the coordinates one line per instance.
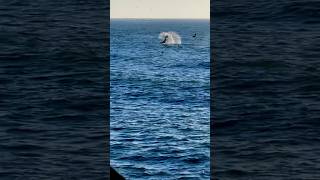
(53, 114)
(266, 106)
(160, 99)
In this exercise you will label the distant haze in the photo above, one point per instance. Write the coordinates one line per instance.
(160, 9)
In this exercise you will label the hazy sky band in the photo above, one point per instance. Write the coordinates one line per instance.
(160, 9)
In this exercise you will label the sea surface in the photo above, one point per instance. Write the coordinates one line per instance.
(266, 89)
(53, 67)
(160, 99)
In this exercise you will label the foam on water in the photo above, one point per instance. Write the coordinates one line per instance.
(159, 113)
(173, 37)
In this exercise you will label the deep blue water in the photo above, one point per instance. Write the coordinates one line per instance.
(53, 114)
(266, 96)
(160, 100)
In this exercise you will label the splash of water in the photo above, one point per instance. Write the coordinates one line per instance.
(172, 37)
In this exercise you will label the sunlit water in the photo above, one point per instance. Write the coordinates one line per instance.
(160, 100)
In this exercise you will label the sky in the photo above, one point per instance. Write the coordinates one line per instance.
(160, 9)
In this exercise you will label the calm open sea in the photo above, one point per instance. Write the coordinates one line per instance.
(160, 100)
(266, 83)
(53, 114)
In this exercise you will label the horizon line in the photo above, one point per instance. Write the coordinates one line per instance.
(165, 18)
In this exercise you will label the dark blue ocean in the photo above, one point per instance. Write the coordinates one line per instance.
(266, 89)
(53, 103)
(160, 100)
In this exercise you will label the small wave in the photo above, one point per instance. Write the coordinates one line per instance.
(172, 37)
(306, 11)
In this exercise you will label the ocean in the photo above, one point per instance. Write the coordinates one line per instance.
(266, 106)
(53, 110)
(160, 99)
(265, 98)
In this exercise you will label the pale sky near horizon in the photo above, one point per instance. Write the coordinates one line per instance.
(166, 9)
